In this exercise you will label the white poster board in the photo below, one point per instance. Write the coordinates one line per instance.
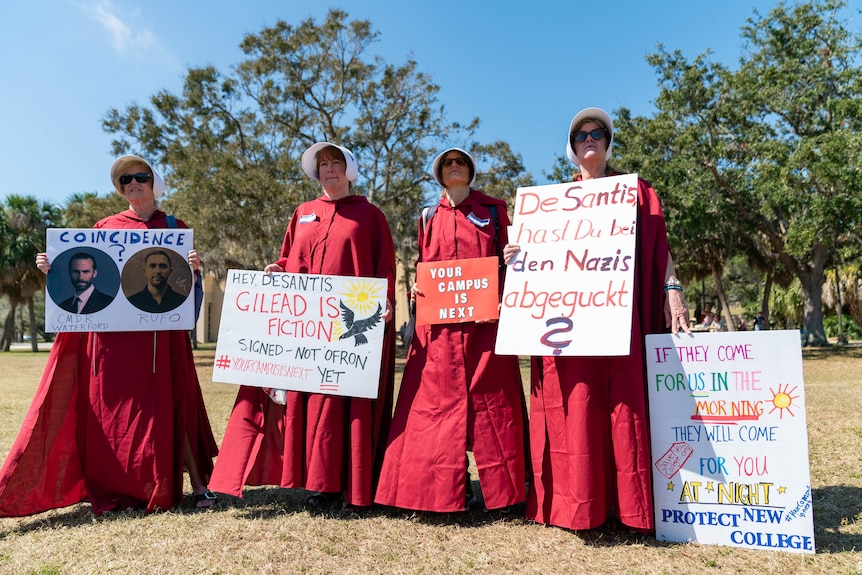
(729, 440)
(114, 274)
(312, 333)
(569, 289)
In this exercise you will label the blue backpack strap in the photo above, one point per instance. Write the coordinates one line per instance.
(427, 214)
(496, 217)
(407, 337)
(199, 288)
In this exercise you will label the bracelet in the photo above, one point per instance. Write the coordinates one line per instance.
(672, 284)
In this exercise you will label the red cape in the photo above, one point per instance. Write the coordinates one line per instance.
(589, 426)
(320, 442)
(106, 421)
(456, 394)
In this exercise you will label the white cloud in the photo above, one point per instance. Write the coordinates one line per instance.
(125, 38)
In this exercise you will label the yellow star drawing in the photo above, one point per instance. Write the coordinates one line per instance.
(670, 486)
(710, 487)
(782, 489)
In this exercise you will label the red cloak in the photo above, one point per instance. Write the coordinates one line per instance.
(324, 443)
(456, 393)
(589, 426)
(109, 420)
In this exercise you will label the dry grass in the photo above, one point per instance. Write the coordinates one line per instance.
(269, 532)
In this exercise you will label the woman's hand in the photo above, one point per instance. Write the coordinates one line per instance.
(509, 252)
(194, 260)
(273, 268)
(42, 263)
(676, 313)
(414, 293)
(389, 313)
(279, 396)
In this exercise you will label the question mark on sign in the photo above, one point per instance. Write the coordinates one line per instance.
(122, 249)
(557, 345)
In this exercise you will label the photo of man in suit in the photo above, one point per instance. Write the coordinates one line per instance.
(87, 299)
(157, 296)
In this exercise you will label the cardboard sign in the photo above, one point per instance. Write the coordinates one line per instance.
(119, 280)
(457, 291)
(729, 440)
(313, 333)
(569, 289)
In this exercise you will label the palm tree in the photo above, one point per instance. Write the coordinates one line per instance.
(23, 221)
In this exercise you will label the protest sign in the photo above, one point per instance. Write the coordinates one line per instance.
(119, 280)
(455, 291)
(729, 440)
(313, 333)
(569, 289)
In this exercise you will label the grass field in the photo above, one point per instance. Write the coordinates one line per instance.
(269, 531)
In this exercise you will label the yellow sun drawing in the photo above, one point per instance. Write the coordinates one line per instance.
(782, 399)
(363, 295)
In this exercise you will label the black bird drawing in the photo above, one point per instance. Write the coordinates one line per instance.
(358, 327)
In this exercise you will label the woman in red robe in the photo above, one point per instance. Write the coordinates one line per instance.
(117, 415)
(589, 431)
(328, 444)
(457, 395)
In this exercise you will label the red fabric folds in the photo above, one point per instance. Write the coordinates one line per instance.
(589, 426)
(320, 442)
(109, 420)
(456, 393)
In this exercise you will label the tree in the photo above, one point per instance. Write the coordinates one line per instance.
(775, 143)
(700, 241)
(232, 142)
(399, 120)
(501, 171)
(85, 209)
(23, 221)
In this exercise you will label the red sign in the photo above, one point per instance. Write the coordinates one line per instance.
(458, 291)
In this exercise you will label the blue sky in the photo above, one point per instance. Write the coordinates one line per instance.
(524, 68)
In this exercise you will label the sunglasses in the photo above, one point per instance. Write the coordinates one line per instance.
(140, 177)
(456, 160)
(596, 134)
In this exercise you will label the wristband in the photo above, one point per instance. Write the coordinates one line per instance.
(672, 284)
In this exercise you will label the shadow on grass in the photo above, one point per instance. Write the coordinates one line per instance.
(850, 351)
(270, 502)
(471, 518)
(73, 516)
(836, 507)
(258, 503)
(264, 502)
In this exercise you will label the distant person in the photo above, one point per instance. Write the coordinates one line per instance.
(87, 299)
(157, 296)
(705, 317)
(118, 416)
(759, 322)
